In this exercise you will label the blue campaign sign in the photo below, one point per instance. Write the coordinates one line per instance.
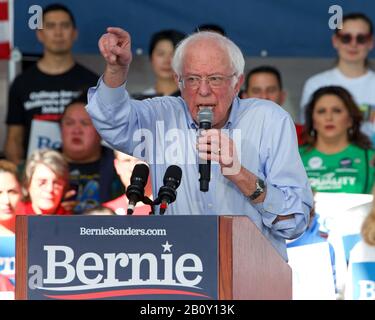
(363, 280)
(7, 257)
(143, 257)
(349, 241)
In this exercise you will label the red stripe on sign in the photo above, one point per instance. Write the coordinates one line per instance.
(123, 293)
(4, 11)
(4, 51)
(48, 117)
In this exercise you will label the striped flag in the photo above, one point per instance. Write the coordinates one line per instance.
(4, 30)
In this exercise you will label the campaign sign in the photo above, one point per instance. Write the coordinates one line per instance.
(363, 280)
(44, 134)
(349, 241)
(123, 257)
(7, 257)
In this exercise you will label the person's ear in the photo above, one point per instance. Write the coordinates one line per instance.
(335, 41)
(283, 96)
(244, 95)
(75, 35)
(177, 80)
(40, 36)
(239, 83)
(371, 43)
(175, 77)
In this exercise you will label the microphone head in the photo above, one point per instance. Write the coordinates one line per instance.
(173, 174)
(140, 174)
(205, 114)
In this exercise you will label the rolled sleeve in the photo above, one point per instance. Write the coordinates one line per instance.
(288, 191)
(275, 205)
(270, 207)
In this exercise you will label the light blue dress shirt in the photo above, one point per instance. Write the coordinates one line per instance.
(162, 132)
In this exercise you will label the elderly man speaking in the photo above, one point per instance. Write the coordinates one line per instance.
(252, 146)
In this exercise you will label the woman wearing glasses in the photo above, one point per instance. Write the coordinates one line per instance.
(338, 156)
(353, 43)
(46, 181)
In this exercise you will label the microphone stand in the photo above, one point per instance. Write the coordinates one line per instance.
(156, 202)
(148, 201)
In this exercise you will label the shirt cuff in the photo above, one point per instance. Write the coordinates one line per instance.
(108, 95)
(270, 208)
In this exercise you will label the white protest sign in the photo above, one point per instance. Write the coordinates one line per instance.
(312, 272)
(44, 134)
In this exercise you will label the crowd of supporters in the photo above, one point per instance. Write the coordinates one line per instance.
(336, 131)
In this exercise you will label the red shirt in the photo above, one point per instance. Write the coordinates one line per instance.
(299, 130)
(10, 223)
(120, 206)
(25, 208)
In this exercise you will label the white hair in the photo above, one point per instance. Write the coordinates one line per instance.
(234, 53)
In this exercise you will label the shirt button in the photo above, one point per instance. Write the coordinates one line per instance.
(210, 205)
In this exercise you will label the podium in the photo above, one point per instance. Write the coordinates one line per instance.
(147, 257)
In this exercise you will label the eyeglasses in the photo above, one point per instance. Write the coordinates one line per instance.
(347, 38)
(214, 81)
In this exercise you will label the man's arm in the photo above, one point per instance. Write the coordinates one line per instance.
(115, 47)
(14, 143)
(246, 182)
(285, 204)
(222, 149)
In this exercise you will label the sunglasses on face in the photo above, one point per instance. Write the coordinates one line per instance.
(347, 38)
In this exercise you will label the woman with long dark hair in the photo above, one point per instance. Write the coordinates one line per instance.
(337, 156)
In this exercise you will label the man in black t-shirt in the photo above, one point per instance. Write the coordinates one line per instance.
(43, 90)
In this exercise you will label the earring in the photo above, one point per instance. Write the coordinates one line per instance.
(350, 132)
(312, 133)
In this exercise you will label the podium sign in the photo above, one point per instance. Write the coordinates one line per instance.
(93, 257)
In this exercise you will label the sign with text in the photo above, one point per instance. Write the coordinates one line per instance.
(363, 280)
(7, 267)
(44, 134)
(341, 216)
(143, 257)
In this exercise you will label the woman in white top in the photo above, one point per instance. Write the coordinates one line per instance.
(353, 43)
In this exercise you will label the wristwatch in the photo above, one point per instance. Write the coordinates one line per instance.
(260, 188)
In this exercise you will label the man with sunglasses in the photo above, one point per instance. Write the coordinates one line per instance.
(353, 43)
(255, 166)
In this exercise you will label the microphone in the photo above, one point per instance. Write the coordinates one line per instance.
(205, 122)
(136, 190)
(167, 193)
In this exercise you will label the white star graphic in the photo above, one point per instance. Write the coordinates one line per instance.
(167, 246)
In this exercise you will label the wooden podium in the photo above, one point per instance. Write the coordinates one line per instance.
(248, 266)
